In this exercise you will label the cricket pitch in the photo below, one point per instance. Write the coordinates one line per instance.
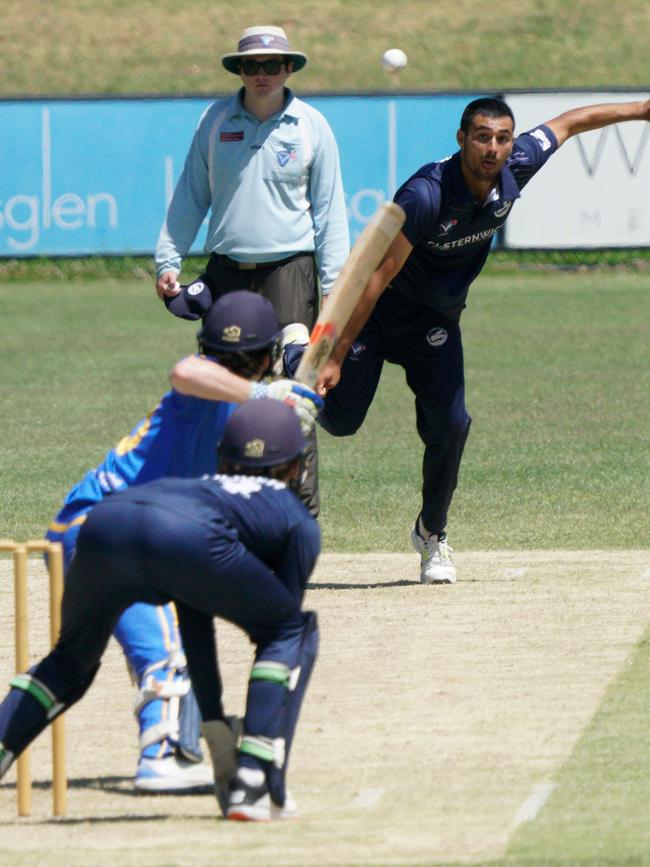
(432, 714)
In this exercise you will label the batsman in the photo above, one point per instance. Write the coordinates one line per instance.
(238, 545)
(179, 437)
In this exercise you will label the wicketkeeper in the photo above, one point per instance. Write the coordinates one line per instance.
(238, 545)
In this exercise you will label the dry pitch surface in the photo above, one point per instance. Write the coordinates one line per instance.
(433, 715)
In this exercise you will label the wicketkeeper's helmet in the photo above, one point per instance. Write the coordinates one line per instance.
(262, 433)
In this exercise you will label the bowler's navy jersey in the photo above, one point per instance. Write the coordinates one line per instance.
(450, 231)
(266, 517)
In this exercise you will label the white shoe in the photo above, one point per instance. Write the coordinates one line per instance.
(173, 774)
(436, 566)
(250, 800)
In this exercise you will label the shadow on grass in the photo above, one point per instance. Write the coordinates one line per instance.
(327, 585)
(112, 785)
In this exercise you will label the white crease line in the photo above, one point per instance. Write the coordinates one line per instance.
(514, 572)
(368, 798)
(534, 803)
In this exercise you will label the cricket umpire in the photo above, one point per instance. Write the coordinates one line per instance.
(179, 438)
(238, 545)
(410, 311)
(265, 164)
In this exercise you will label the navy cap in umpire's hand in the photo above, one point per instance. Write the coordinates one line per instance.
(193, 301)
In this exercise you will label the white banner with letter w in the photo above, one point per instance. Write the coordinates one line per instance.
(595, 192)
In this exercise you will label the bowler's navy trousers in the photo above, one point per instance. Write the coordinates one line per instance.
(428, 346)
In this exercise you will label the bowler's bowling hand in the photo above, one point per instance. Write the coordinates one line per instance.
(328, 377)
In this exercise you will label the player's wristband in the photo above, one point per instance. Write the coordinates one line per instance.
(309, 393)
(258, 389)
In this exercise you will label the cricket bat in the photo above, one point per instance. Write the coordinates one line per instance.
(365, 256)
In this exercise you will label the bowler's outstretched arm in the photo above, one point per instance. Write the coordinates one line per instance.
(578, 120)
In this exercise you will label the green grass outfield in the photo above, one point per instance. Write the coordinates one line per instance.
(598, 814)
(557, 384)
(557, 381)
(110, 46)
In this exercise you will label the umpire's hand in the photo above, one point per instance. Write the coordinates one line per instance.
(167, 285)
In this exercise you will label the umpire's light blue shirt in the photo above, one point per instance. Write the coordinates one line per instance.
(274, 189)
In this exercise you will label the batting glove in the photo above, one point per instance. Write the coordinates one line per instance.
(305, 402)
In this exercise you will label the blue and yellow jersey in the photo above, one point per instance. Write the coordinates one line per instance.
(179, 437)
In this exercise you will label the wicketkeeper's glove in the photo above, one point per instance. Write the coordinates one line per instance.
(306, 402)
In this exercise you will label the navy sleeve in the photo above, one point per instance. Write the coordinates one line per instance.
(532, 149)
(420, 198)
(300, 552)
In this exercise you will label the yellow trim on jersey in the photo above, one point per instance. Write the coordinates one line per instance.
(132, 441)
(55, 527)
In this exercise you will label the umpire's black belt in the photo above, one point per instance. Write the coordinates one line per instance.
(227, 262)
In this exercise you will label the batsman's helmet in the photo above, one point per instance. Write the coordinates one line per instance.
(239, 322)
(262, 433)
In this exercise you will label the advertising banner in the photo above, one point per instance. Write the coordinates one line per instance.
(83, 177)
(595, 192)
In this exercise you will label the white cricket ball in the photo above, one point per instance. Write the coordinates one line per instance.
(394, 59)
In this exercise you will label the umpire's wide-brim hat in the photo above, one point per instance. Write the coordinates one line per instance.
(263, 40)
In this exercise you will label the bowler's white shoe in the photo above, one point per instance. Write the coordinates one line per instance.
(436, 564)
(173, 774)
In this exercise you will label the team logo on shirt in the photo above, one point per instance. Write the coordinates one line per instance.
(503, 210)
(255, 448)
(231, 334)
(243, 486)
(285, 156)
(474, 238)
(445, 228)
(437, 336)
(355, 350)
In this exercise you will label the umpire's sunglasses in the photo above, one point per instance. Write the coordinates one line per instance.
(270, 67)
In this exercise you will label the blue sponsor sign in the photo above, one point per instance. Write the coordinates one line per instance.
(83, 177)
